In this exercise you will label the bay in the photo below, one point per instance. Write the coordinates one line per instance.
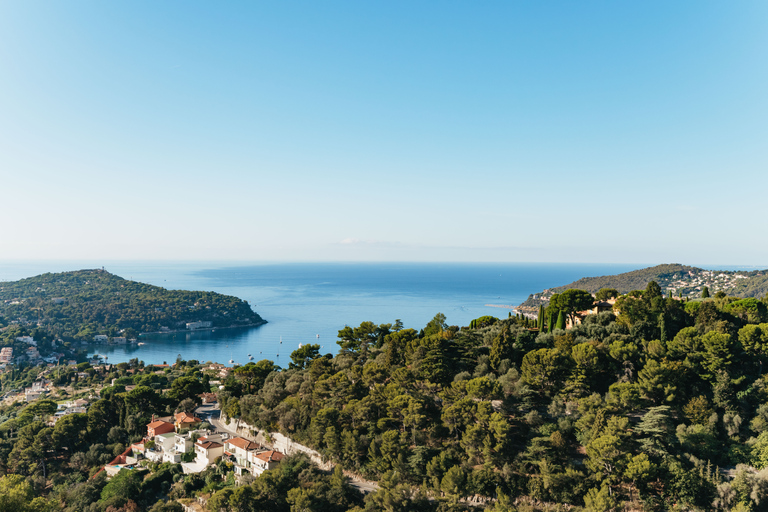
(310, 302)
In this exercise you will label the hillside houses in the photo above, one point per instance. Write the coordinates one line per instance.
(176, 446)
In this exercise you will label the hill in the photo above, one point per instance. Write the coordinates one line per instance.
(680, 280)
(83, 303)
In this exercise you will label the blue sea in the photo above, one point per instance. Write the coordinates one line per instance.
(310, 302)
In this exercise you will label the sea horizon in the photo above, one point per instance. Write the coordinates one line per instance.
(310, 302)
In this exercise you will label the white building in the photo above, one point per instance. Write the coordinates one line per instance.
(29, 340)
(198, 325)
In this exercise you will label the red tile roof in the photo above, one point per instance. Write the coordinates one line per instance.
(183, 417)
(158, 423)
(207, 445)
(243, 444)
(270, 456)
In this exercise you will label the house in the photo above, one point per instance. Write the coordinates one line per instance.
(29, 340)
(186, 421)
(238, 449)
(32, 353)
(138, 449)
(120, 340)
(34, 392)
(207, 451)
(597, 307)
(101, 338)
(123, 461)
(158, 427)
(6, 355)
(263, 461)
(164, 444)
(208, 398)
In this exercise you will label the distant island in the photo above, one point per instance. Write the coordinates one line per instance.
(675, 279)
(94, 304)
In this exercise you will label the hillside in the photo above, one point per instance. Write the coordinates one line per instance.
(83, 303)
(680, 280)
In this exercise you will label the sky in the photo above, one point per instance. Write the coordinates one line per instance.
(504, 131)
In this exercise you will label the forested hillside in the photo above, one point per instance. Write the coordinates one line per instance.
(661, 407)
(647, 409)
(679, 280)
(87, 302)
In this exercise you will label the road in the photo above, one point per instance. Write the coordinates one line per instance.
(211, 415)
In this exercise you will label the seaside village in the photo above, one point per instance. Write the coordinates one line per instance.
(184, 439)
(195, 440)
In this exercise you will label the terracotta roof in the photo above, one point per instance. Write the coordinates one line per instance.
(183, 417)
(270, 456)
(158, 423)
(120, 459)
(243, 444)
(207, 445)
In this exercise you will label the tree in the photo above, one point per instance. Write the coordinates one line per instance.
(560, 320)
(17, 495)
(186, 387)
(705, 292)
(655, 429)
(359, 338)
(544, 369)
(302, 356)
(606, 293)
(124, 485)
(436, 325)
(70, 431)
(571, 301)
(501, 347)
(454, 482)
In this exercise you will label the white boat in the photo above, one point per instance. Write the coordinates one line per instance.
(231, 361)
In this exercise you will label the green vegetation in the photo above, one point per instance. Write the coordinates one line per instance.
(657, 405)
(81, 304)
(677, 280)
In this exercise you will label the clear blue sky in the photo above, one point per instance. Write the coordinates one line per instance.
(458, 131)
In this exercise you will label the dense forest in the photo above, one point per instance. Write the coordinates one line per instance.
(661, 404)
(81, 304)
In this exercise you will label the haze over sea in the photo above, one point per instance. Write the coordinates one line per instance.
(310, 302)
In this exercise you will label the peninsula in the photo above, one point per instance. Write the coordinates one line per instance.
(83, 304)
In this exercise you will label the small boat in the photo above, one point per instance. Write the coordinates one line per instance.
(140, 343)
(250, 357)
(231, 361)
(299, 345)
(318, 335)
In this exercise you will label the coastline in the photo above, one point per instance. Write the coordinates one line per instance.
(257, 324)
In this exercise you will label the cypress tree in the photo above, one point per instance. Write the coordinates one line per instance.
(541, 318)
(560, 320)
(705, 292)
